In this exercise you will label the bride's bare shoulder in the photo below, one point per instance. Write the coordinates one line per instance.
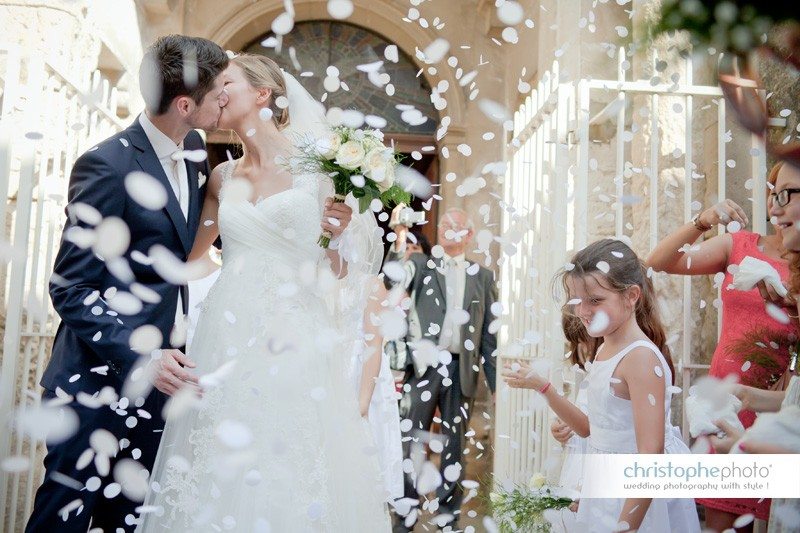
(219, 175)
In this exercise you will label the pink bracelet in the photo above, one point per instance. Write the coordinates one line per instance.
(544, 389)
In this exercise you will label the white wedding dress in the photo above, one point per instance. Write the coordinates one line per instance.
(276, 444)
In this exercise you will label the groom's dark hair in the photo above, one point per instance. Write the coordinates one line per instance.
(177, 65)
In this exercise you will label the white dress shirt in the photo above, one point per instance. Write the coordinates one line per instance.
(175, 169)
(455, 275)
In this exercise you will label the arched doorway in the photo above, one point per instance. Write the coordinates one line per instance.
(401, 98)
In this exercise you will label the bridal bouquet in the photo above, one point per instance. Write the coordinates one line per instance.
(356, 161)
(523, 508)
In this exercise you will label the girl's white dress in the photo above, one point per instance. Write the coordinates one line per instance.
(572, 471)
(612, 431)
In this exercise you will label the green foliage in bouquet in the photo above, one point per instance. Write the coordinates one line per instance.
(767, 352)
(521, 510)
(735, 26)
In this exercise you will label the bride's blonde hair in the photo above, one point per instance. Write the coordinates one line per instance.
(263, 73)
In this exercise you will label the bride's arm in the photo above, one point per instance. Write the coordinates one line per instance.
(374, 347)
(208, 231)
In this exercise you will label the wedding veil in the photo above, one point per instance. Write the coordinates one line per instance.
(360, 246)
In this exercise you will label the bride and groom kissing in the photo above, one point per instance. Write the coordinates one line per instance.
(262, 429)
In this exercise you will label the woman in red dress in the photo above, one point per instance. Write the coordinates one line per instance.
(753, 345)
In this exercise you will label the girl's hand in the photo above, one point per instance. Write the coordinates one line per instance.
(561, 431)
(521, 376)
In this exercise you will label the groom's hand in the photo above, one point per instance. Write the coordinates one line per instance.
(336, 217)
(170, 376)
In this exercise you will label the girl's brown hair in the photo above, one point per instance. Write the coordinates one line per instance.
(625, 270)
(262, 72)
(582, 347)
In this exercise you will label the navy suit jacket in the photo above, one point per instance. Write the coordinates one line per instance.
(90, 336)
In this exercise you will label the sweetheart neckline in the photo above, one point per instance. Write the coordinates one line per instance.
(263, 199)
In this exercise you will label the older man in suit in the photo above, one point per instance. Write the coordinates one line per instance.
(94, 348)
(452, 300)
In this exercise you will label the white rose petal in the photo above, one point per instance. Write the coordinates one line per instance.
(132, 478)
(350, 155)
(234, 434)
(598, 324)
(112, 238)
(340, 9)
(103, 442)
(146, 190)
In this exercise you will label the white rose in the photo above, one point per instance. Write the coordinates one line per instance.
(537, 481)
(350, 155)
(328, 145)
(371, 143)
(379, 167)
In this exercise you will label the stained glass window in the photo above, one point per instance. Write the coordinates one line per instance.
(311, 47)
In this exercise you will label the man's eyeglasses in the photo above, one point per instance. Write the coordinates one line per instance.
(782, 198)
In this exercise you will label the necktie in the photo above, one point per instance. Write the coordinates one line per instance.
(182, 177)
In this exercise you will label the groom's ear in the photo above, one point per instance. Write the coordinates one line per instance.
(184, 105)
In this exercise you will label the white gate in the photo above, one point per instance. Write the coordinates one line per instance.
(574, 177)
(47, 120)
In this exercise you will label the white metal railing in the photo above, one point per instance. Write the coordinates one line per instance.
(47, 120)
(556, 173)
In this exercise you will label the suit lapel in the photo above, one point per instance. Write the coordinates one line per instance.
(470, 288)
(150, 164)
(441, 281)
(194, 198)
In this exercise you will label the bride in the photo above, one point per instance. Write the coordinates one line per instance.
(275, 442)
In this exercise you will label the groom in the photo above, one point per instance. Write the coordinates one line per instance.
(182, 86)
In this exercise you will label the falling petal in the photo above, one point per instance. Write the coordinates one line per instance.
(340, 9)
(283, 24)
(777, 313)
(510, 13)
(429, 478)
(234, 435)
(145, 339)
(391, 53)
(15, 464)
(103, 442)
(112, 238)
(598, 324)
(131, 476)
(436, 51)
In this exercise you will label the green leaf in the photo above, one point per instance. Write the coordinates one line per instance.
(363, 203)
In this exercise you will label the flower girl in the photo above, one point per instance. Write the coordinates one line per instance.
(629, 383)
